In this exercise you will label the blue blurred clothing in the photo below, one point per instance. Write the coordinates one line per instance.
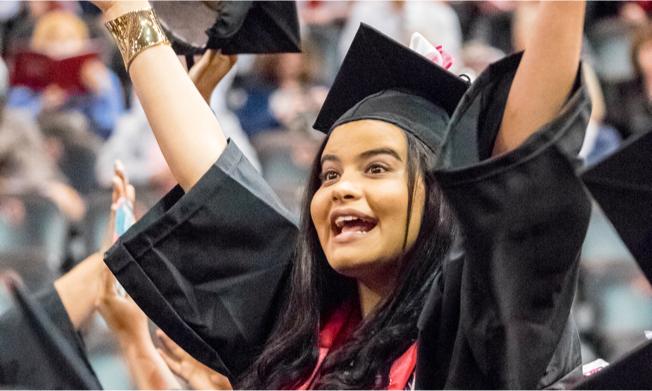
(102, 110)
(254, 113)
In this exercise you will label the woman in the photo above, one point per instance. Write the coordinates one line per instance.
(373, 279)
(62, 34)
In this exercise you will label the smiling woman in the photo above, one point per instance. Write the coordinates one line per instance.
(359, 211)
(422, 226)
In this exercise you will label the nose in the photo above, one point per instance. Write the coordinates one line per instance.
(346, 189)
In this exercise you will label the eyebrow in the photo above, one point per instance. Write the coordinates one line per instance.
(366, 155)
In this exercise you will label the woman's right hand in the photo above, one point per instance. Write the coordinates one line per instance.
(197, 375)
(210, 70)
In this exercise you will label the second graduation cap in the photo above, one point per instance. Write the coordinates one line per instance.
(40, 356)
(234, 27)
(622, 185)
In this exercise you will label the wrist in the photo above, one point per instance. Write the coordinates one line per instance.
(123, 7)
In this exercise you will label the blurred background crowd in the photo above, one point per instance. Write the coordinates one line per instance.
(58, 144)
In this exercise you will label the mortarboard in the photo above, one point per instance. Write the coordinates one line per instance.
(385, 80)
(622, 185)
(43, 346)
(232, 26)
(631, 372)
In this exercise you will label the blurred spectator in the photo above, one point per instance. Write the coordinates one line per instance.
(72, 146)
(489, 22)
(629, 102)
(61, 34)
(134, 144)
(289, 77)
(476, 56)
(601, 139)
(323, 22)
(435, 20)
(24, 164)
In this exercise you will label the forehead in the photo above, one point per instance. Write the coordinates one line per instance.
(353, 138)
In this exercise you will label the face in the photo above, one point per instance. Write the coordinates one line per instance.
(59, 35)
(360, 210)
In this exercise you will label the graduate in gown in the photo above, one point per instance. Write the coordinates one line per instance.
(440, 234)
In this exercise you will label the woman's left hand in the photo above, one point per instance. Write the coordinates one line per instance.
(210, 70)
(197, 375)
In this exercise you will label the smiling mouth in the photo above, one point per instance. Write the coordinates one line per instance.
(349, 227)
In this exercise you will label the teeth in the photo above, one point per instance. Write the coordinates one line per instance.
(339, 222)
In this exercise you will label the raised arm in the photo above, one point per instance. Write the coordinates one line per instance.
(186, 129)
(546, 73)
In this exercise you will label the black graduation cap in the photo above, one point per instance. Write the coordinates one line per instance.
(44, 359)
(622, 185)
(631, 372)
(376, 63)
(232, 26)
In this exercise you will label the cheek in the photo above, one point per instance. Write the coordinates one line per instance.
(319, 207)
(389, 203)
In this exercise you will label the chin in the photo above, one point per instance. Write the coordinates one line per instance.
(355, 265)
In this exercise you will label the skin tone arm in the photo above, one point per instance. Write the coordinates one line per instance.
(185, 127)
(547, 71)
(78, 289)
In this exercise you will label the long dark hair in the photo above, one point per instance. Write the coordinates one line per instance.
(315, 289)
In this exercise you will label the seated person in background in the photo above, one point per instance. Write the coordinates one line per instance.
(61, 34)
(24, 165)
(628, 102)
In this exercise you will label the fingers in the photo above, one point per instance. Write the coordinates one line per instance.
(170, 345)
(123, 188)
(131, 194)
(116, 185)
(174, 365)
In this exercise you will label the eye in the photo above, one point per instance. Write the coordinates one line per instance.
(328, 176)
(376, 169)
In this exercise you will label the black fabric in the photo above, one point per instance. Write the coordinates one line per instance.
(207, 266)
(427, 121)
(631, 372)
(622, 185)
(39, 348)
(375, 63)
(502, 309)
(498, 313)
(234, 27)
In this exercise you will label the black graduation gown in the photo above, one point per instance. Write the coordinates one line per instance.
(47, 355)
(209, 266)
(498, 316)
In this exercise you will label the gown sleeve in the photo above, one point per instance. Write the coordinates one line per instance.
(499, 314)
(209, 266)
